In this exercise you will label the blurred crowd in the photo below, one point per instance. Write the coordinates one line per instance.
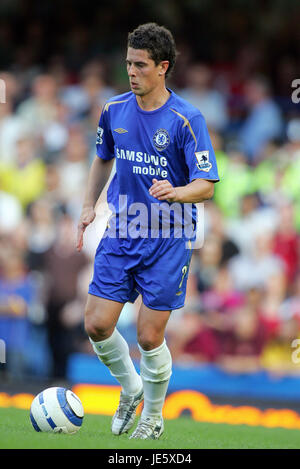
(242, 308)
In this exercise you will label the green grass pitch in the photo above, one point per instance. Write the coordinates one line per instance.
(16, 432)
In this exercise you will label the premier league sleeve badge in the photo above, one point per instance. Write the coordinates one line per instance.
(203, 163)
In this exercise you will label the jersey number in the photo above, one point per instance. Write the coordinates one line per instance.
(99, 140)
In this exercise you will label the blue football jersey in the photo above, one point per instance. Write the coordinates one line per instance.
(170, 143)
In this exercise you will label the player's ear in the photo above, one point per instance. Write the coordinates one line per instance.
(164, 65)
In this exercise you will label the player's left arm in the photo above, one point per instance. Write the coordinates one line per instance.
(196, 191)
(201, 162)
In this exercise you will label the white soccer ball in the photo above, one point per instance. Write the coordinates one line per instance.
(56, 410)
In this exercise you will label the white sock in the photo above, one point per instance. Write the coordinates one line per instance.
(156, 369)
(114, 353)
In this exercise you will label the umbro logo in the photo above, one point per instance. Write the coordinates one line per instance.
(121, 131)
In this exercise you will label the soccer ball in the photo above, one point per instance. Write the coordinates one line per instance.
(56, 410)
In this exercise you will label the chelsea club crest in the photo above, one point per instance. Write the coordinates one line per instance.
(161, 139)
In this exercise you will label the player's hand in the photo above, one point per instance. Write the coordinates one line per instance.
(163, 190)
(87, 216)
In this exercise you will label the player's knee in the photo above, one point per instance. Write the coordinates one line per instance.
(94, 331)
(149, 339)
(97, 329)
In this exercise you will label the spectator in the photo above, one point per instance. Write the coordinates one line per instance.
(55, 135)
(11, 126)
(277, 353)
(41, 232)
(39, 109)
(253, 220)
(252, 270)
(236, 183)
(18, 297)
(222, 297)
(62, 266)
(207, 262)
(264, 121)
(274, 291)
(290, 307)
(243, 342)
(73, 168)
(215, 224)
(201, 93)
(91, 90)
(25, 178)
(190, 339)
(71, 316)
(286, 241)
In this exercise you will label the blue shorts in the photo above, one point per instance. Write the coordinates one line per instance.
(155, 268)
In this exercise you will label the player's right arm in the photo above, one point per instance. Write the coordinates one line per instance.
(98, 175)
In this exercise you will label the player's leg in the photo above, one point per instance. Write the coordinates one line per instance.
(162, 284)
(101, 316)
(156, 368)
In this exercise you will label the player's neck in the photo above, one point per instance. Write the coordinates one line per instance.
(153, 100)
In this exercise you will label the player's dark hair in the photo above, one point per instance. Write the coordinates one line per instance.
(157, 40)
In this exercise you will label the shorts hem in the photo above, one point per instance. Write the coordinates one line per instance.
(106, 297)
(163, 308)
(156, 308)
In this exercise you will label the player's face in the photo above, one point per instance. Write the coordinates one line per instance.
(144, 74)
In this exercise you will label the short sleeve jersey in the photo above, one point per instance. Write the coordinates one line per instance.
(171, 143)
